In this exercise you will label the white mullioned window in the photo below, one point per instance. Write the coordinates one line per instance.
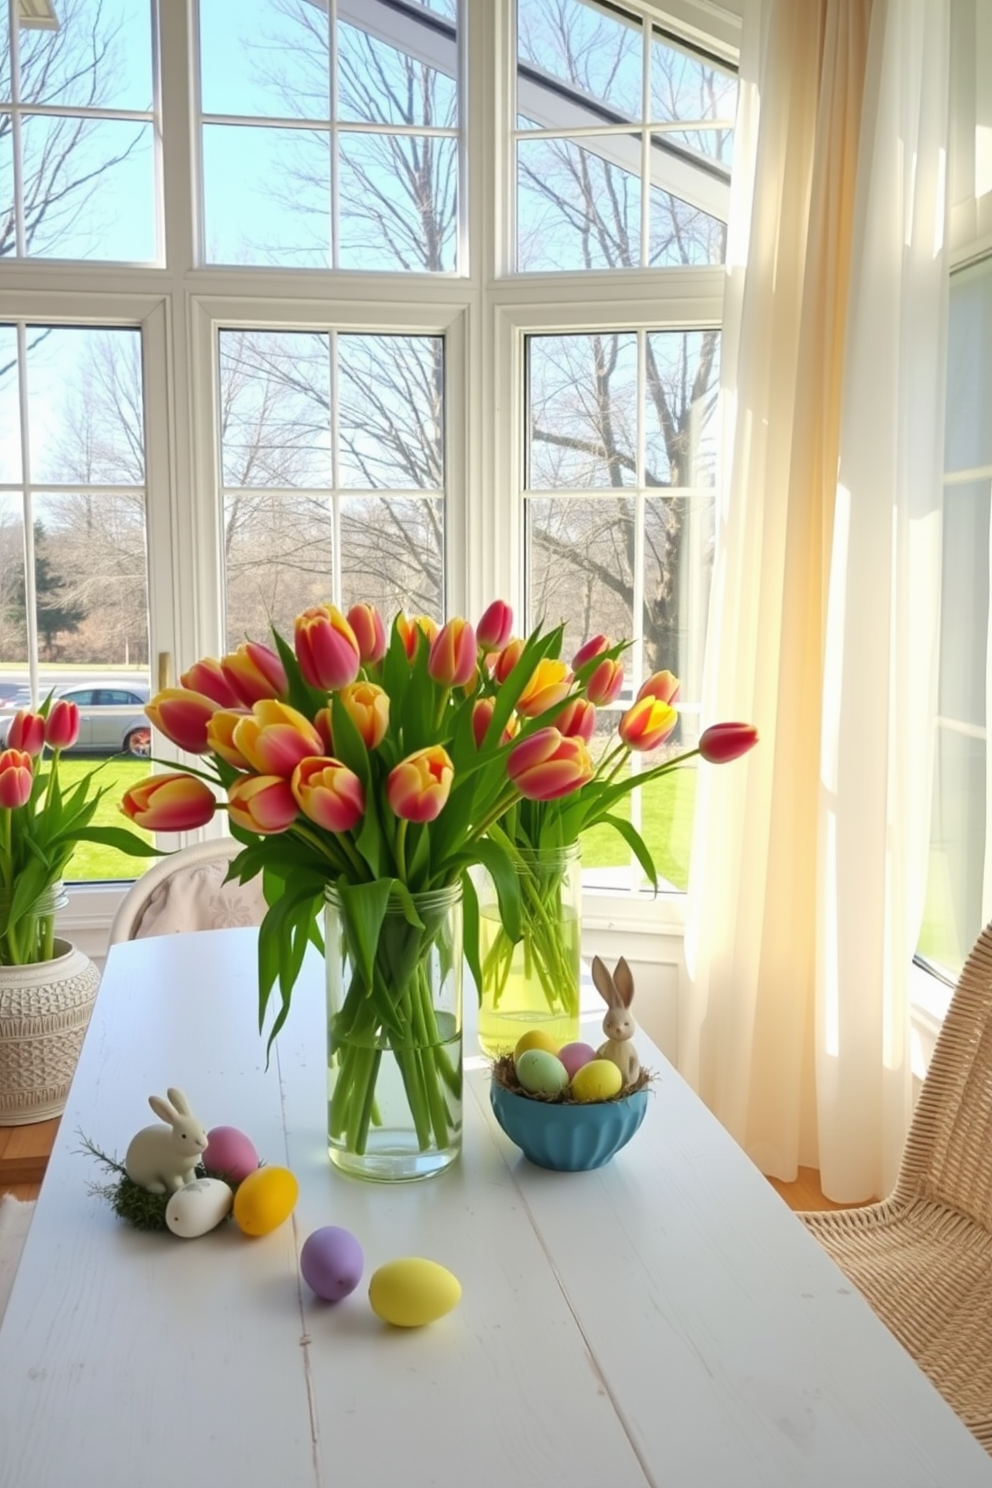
(415, 302)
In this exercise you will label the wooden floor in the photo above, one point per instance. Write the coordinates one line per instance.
(24, 1152)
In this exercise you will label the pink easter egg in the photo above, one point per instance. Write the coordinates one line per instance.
(574, 1056)
(229, 1154)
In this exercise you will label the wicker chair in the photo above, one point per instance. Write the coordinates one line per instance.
(187, 891)
(923, 1257)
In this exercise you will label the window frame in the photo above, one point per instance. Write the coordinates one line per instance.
(484, 314)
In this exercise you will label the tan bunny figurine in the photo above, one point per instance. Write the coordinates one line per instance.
(617, 992)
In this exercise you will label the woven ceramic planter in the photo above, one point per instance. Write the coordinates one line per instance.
(44, 1012)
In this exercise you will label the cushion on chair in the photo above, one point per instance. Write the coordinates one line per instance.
(197, 898)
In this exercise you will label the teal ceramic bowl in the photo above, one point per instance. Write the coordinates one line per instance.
(569, 1138)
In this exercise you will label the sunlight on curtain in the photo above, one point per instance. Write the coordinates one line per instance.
(808, 613)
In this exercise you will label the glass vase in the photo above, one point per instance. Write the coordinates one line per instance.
(533, 983)
(394, 1034)
(32, 939)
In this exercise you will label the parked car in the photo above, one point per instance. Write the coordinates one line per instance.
(111, 717)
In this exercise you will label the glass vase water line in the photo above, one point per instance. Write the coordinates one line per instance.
(394, 1045)
(33, 940)
(533, 983)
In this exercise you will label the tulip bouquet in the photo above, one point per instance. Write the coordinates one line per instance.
(541, 956)
(369, 767)
(40, 826)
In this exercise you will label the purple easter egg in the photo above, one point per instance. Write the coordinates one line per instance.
(331, 1262)
(574, 1056)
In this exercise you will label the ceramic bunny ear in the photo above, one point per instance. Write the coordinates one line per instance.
(604, 983)
(162, 1108)
(624, 982)
(180, 1102)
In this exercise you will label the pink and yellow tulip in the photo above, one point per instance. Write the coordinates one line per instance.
(419, 786)
(62, 724)
(208, 678)
(647, 724)
(605, 683)
(410, 631)
(661, 685)
(182, 716)
(274, 737)
(453, 655)
(326, 648)
(508, 658)
(595, 646)
(370, 633)
(255, 672)
(329, 794)
(27, 732)
(548, 765)
(547, 685)
(15, 778)
(169, 803)
(496, 626)
(261, 803)
(367, 705)
(577, 720)
(723, 742)
(220, 736)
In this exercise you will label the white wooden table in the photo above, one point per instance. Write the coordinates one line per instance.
(665, 1320)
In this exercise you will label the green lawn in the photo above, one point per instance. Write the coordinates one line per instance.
(91, 861)
(667, 807)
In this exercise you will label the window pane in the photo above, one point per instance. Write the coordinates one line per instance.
(267, 196)
(582, 424)
(398, 202)
(597, 55)
(580, 566)
(391, 391)
(78, 174)
(683, 372)
(91, 581)
(968, 436)
(85, 414)
(384, 85)
(268, 192)
(681, 234)
(392, 554)
(99, 56)
(578, 205)
(274, 408)
(686, 89)
(340, 541)
(10, 430)
(278, 553)
(956, 903)
(13, 609)
(678, 566)
(264, 60)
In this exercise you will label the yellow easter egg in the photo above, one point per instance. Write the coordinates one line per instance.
(411, 1292)
(596, 1081)
(264, 1199)
(535, 1038)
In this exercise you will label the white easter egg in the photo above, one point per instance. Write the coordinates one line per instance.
(198, 1207)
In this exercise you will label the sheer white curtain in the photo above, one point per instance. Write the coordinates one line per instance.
(809, 856)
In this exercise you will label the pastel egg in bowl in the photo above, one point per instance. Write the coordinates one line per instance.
(565, 1135)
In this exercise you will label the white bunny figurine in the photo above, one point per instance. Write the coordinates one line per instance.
(163, 1159)
(618, 1025)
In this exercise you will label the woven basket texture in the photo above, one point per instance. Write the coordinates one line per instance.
(923, 1256)
(44, 1013)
